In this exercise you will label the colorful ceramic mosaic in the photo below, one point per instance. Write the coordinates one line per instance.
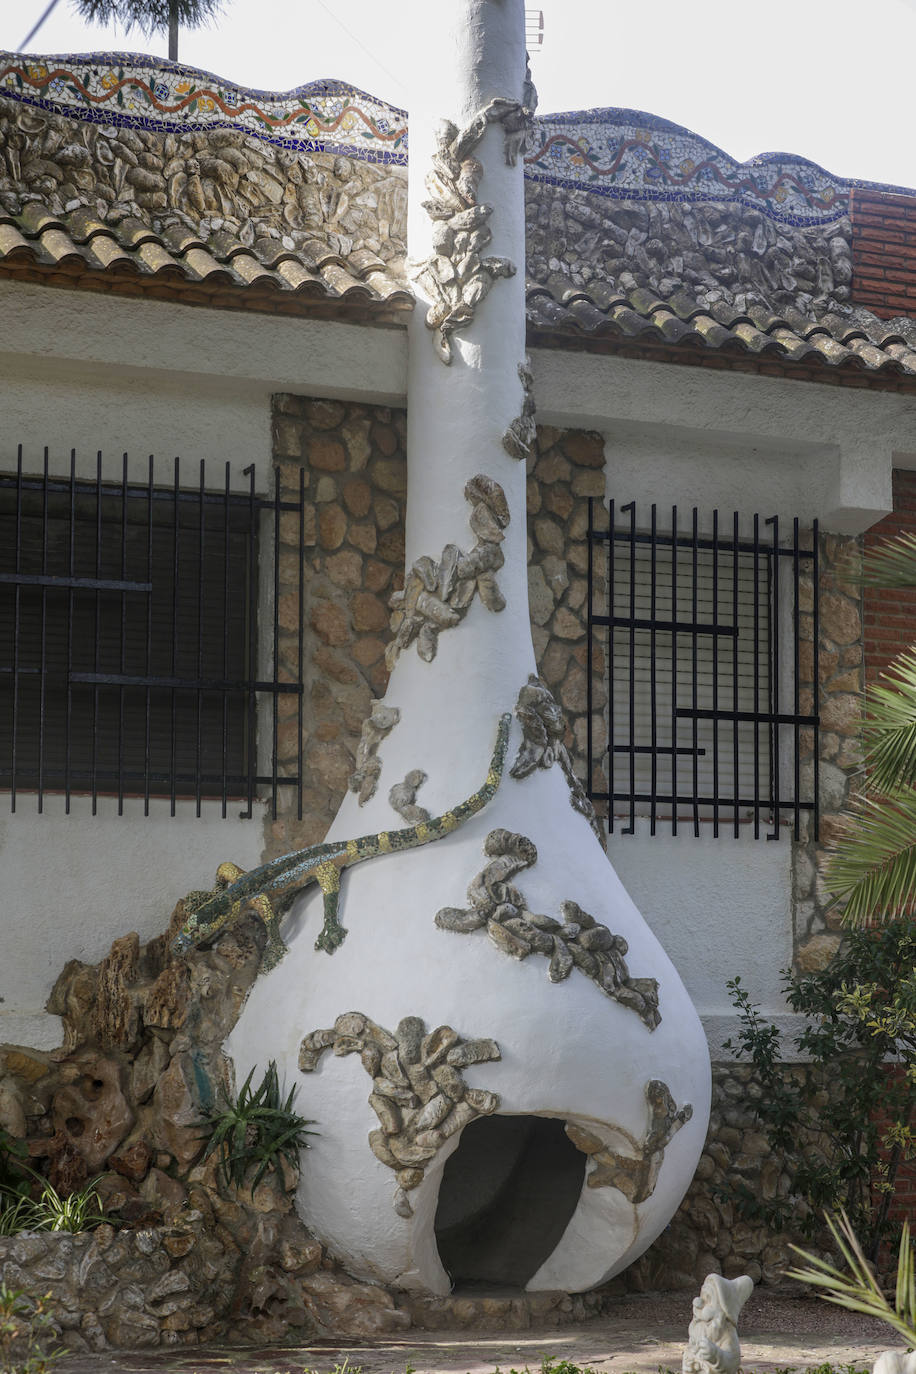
(631, 156)
(621, 154)
(145, 92)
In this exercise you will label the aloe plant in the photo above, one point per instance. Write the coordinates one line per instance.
(256, 1131)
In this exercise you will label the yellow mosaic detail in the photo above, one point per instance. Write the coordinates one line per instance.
(327, 875)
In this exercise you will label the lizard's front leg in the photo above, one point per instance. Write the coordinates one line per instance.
(327, 875)
(275, 948)
(227, 874)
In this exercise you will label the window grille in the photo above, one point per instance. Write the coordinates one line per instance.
(130, 638)
(697, 632)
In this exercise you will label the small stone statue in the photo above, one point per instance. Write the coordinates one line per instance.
(712, 1337)
(895, 1362)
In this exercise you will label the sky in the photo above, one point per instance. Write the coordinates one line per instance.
(826, 79)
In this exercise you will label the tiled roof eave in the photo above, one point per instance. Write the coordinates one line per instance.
(126, 280)
(130, 256)
(801, 364)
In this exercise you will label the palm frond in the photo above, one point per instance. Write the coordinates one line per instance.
(859, 1290)
(889, 730)
(873, 863)
(892, 564)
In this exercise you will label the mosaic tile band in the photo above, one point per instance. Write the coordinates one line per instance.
(628, 155)
(620, 154)
(148, 93)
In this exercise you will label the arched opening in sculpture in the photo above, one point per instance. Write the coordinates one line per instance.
(506, 1197)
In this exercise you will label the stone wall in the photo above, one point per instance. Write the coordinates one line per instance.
(123, 1101)
(706, 1233)
(353, 458)
(840, 683)
(355, 468)
(566, 469)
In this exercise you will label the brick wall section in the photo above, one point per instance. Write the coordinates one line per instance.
(890, 617)
(883, 252)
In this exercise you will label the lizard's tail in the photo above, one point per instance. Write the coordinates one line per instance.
(438, 826)
(478, 800)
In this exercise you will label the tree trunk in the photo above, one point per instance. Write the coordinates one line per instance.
(173, 30)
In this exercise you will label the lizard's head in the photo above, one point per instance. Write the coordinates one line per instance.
(199, 924)
(183, 941)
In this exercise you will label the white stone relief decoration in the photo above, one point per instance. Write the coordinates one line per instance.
(712, 1337)
(457, 274)
(436, 595)
(543, 731)
(518, 439)
(418, 1093)
(403, 798)
(379, 723)
(578, 941)
(637, 1174)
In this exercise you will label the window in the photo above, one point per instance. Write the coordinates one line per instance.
(698, 633)
(128, 637)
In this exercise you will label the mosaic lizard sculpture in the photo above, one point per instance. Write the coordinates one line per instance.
(269, 890)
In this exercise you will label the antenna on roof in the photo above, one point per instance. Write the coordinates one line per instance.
(534, 30)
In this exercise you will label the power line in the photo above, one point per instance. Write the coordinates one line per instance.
(35, 27)
(349, 34)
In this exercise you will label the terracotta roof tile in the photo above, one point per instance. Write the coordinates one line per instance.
(299, 278)
(12, 242)
(153, 257)
(134, 249)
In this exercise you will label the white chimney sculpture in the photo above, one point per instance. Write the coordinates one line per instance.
(510, 1083)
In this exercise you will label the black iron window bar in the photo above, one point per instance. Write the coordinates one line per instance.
(633, 569)
(130, 640)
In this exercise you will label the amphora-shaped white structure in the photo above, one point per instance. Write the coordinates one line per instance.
(509, 1080)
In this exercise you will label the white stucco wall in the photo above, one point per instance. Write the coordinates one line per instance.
(720, 907)
(72, 884)
(820, 450)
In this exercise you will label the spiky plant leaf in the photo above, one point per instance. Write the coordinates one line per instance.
(873, 863)
(889, 730)
(859, 1290)
(892, 564)
(256, 1131)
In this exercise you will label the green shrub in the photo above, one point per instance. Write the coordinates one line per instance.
(25, 1324)
(845, 1127)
